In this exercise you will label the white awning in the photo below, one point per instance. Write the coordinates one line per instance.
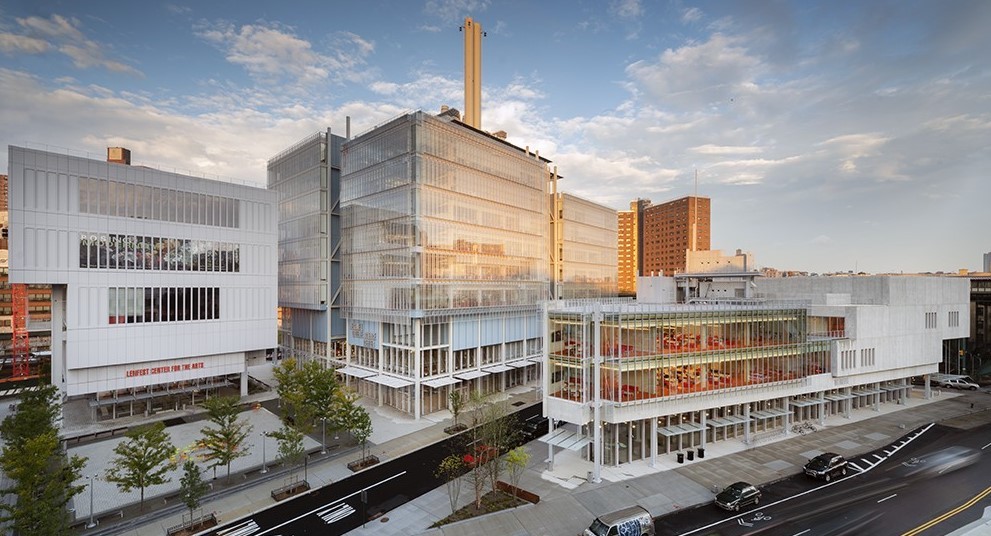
(520, 364)
(565, 438)
(537, 360)
(356, 372)
(439, 382)
(471, 374)
(497, 368)
(390, 381)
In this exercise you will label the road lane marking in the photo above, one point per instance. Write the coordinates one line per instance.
(986, 446)
(857, 467)
(933, 522)
(888, 497)
(909, 440)
(319, 508)
(803, 532)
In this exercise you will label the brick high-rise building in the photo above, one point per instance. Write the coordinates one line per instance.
(628, 250)
(669, 229)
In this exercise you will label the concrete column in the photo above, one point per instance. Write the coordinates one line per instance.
(417, 368)
(702, 422)
(597, 388)
(653, 442)
(746, 423)
(244, 380)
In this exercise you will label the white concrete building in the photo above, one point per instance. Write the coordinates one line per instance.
(629, 381)
(163, 284)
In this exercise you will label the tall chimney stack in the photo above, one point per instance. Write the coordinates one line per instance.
(473, 74)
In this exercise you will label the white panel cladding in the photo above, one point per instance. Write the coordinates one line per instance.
(46, 225)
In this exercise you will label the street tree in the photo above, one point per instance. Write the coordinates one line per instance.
(497, 431)
(450, 470)
(142, 459)
(291, 451)
(516, 461)
(40, 477)
(192, 487)
(43, 482)
(457, 401)
(225, 441)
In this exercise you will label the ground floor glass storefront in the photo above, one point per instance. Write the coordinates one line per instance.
(751, 423)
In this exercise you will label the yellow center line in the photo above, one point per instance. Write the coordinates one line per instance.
(933, 522)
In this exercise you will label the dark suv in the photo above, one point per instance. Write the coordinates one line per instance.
(737, 496)
(825, 466)
(534, 427)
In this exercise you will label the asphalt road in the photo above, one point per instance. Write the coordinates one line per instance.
(344, 505)
(900, 489)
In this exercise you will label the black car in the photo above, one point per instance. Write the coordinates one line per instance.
(826, 466)
(737, 496)
(535, 427)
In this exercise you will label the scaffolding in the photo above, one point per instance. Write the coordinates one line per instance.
(21, 344)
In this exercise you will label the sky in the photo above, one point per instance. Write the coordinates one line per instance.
(830, 136)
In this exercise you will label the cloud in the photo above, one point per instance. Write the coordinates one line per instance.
(692, 14)
(715, 149)
(698, 74)
(626, 9)
(13, 43)
(41, 35)
(451, 11)
(272, 53)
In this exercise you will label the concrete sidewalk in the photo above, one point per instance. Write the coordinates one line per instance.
(568, 502)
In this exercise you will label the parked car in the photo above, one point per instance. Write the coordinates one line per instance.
(959, 383)
(535, 427)
(633, 521)
(738, 495)
(825, 466)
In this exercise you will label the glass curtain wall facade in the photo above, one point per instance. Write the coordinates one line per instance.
(588, 248)
(445, 258)
(652, 352)
(307, 177)
(687, 374)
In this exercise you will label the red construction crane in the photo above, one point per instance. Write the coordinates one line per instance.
(21, 346)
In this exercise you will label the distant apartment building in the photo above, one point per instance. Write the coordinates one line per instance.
(445, 261)
(669, 230)
(584, 235)
(627, 250)
(163, 284)
(307, 177)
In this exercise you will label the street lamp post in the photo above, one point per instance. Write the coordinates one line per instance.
(264, 463)
(92, 522)
(323, 435)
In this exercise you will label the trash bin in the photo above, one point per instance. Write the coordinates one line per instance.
(681, 457)
(701, 453)
(691, 455)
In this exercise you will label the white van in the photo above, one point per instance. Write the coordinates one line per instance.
(632, 521)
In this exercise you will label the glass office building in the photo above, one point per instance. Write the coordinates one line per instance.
(307, 178)
(445, 261)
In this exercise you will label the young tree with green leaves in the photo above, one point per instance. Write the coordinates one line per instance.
(457, 401)
(192, 487)
(43, 482)
(143, 459)
(225, 442)
(41, 478)
(516, 461)
(450, 470)
(361, 428)
(497, 431)
(290, 441)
